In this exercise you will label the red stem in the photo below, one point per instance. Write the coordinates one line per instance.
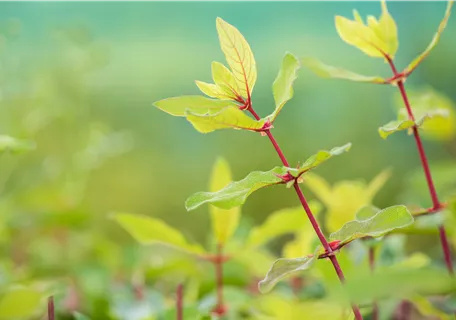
(372, 267)
(309, 213)
(51, 308)
(180, 302)
(425, 164)
(218, 263)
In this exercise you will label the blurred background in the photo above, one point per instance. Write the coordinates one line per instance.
(79, 80)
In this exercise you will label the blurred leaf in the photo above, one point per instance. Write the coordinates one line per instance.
(189, 312)
(321, 156)
(381, 223)
(229, 117)
(416, 62)
(147, 230)
(377, 38)
(80, 316)
(224, 222)
(280, 222)
(326, 71)
(20, 302)
(282, 87)
(14, 145)
(235, 194)
(282, 268)
(427, 309)
(239, 57)
(178, 106)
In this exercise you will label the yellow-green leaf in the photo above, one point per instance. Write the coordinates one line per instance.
(412, 66)
(225, 80)
(20, 303)
(282, 88)
(147, 230)
(15, 145)
(320, 157)
(224, 222)
(281, 222)
(235, 194)
(325, 71)
(427, 309)
(239, 57)
(178, 106)
(211, 90)
(395, 126)
(230, 117)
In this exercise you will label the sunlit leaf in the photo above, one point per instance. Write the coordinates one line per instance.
(147, 230)
(211, 90)
(239, 57)
(376, 39)
(326, 71)
(178, 106)
(378, 225)
(230, 117)
(235, 194)
(15, 145)
(20, 302)
(282, 88)
(415, 63)
(281, 222)
(224, 222)
(321, 156)
(282, 268)
(225, 80)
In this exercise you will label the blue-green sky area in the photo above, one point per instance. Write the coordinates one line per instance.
(116, 58)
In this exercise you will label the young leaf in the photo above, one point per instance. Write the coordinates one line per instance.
(178, 106)
(378, 225)
(15, 145)
(235, 194)
(325, 71)
(239, 57)
(147, 230)
(224, 222)
(230, 117)
(282, 268)
(212, 90)
(415, 63)
(20, 302)
(224, 79)
(321, 156)
(282, 88)
(280, 222)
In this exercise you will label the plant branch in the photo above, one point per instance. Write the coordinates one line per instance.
(180, 302)
(309, 213)
(425, 164)
(218, 263)
(51, 308)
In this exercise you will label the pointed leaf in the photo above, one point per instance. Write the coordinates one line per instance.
(280, 222)
(225, 80)
(415, 63)
(366, 212)
(239, 57)
(325, 71)
(224, 222)
(282, 268)
(282, 87)
(235, 194)
(147, 230)
(15, 145)
(378, 225)
(211, 90)
(178, 106)
(230, 117)
(321, 156)
(20, 302)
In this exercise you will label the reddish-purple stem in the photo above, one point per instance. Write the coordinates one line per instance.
(372, 267)
(180, 302)
(218, 263)
(51, 308)
(309, 213)
(436, 205)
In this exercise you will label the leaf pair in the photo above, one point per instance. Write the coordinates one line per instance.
(232, 89)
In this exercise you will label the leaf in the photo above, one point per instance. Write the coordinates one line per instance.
(80, 316)
(225, 80)
(211, 90)
(427, 309)
(416, 62)
(224, 222)
(147, 230)
(235, 194)
(366, 212)
(178, 106)
(20, 302)
(280, 222)
(230, 117)
(378, 225)
(326, 71)
(321, 156)
(15, 145)
(239, 57)
(282, 88)
(282, 268)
